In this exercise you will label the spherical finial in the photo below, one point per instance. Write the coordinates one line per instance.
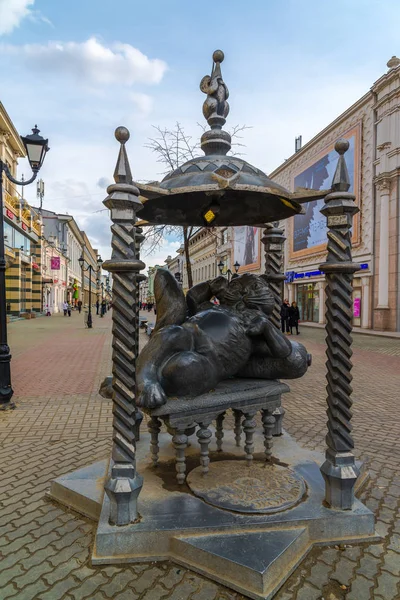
(122, 134)
(218, 56)
(393, 62)
(342, 146)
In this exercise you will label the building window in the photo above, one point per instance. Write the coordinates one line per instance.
(308, 302)
(224, 236)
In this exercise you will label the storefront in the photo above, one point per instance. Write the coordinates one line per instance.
(308, 301)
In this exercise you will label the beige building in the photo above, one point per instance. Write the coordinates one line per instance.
(372, 127)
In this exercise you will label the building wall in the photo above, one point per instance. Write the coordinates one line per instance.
(308, 287)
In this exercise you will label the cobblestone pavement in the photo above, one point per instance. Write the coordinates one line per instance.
(62, 424)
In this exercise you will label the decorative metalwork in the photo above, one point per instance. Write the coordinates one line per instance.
(257, 488)
(215, 110)
(273, 240)
(124, 484)
(339, 470)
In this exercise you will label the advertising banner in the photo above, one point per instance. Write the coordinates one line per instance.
(55, 263)
(247, 247)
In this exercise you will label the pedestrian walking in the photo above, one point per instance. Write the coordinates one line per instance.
(97, 307)
(69, 308)
(285, 316)
(48, 313)
(294, 318)
(103, 307)
(80, 306)
(65, 308)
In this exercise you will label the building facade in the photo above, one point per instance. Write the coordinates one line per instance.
(372, 127)
(90, 293)
(22, 232)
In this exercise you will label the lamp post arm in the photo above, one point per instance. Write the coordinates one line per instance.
(7, 171)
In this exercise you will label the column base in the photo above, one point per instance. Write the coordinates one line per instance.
(340, 473)
(123, 489)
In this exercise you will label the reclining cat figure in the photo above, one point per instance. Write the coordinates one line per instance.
(196, 344)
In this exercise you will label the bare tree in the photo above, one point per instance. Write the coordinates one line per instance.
(174, 147)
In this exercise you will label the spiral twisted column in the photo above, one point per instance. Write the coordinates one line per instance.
(339, 469)
(124, 484)
(273, 240)
(139, 237)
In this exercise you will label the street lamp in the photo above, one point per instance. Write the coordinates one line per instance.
(90, 269)
(36, 148)
(228, 272)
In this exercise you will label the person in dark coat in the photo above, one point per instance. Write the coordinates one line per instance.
(285, 316)
(294, 318)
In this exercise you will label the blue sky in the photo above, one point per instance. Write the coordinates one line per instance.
(81, 68)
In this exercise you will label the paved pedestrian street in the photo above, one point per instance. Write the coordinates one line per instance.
(61, 423)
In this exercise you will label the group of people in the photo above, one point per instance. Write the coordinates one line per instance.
(104, 306)
(290, 317)
(149, 306)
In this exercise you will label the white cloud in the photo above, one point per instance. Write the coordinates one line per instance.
(12, 12)
(143, 102)
(90, 61)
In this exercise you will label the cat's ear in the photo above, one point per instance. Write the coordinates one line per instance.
(170, 300)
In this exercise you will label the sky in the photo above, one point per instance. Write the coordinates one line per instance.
(81, 68)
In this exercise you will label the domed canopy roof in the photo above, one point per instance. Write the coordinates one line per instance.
(216, 189)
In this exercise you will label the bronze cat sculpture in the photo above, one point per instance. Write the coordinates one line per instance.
(196, 344)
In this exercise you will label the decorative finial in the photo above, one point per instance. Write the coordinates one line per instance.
(122, 173)
(122, 134)
(341, 179)
(393, 62)
(215, 109)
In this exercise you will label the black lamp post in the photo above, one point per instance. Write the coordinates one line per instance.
(228, 272)
(36, 148)
(90, 269)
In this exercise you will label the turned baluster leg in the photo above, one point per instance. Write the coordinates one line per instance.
(204, 437)
(238, 426)
(268, 420)
(180, 442)
(219, 433)
(154, 428)
(249, 427)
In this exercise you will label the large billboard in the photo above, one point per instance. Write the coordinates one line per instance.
(309, 233)
(247, 248)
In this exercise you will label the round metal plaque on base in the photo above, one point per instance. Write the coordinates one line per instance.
(259, 488)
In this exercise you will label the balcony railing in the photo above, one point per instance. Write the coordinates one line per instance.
(14, 202)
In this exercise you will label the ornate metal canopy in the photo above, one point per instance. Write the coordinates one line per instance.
(217, 189)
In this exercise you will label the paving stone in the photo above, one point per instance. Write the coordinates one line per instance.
(119, 583)
(344, 570)
(174, 576)
(9, 575)
(319, 575)
(88, 586)
(352, 553)
(57, 591)
(307, 592)
(157, 592)
(388, 586)
(360, 589)
(368, 566)
(394, 542)
(9, 561)
(62, 571)
(376, 549)
(207, 591)
(8, 592)
(146, 579)
(33, 575)
(329, 555)
(391, 563)
(65, 554)
(184, 590)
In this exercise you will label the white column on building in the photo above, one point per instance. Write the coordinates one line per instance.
(291, 293)
(365, 307)
(383, 288)
(321, 291)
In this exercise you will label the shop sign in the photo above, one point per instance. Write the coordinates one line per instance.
(9, 214)
(55, 263)
(357, 308)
